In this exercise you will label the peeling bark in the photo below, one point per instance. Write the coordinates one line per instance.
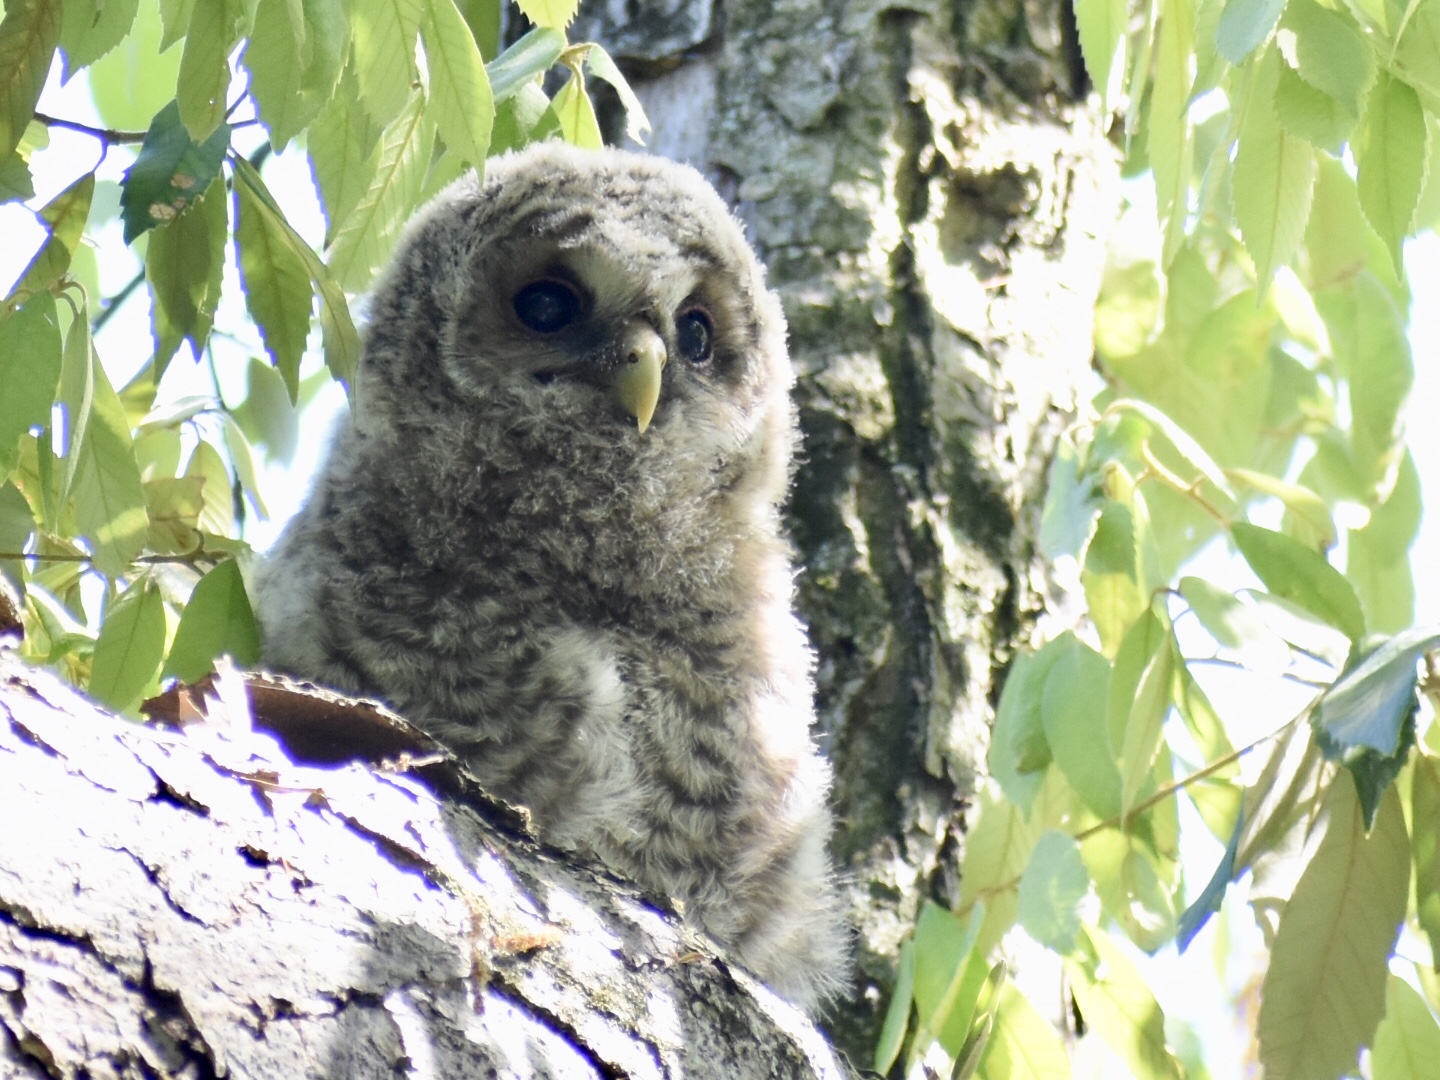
(195, 903)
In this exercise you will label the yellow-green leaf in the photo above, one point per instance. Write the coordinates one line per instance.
(91, 28)
(294, 69)
(204, 79)
(217, 514)
(66, 215)
(1324, 992)
(184, 263)
(278, 294)
(1425, 816)
(1171, 147)
(1115, 1001)
(578, 125)
(29, 33)
(1101, 26)
(555, 14)
(1023, 1044)
(135, 80)
(217, 621)
(1407, 1043)
(460, 100)
(384, 57)
(1391, 152)
(130, 646)
(341, 141)
(29, 372)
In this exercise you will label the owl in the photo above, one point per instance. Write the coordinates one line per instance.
(550, 535)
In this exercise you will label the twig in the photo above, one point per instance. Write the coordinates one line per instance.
(1314, 684)
(148, 560)
(115, 301)
(109, 136)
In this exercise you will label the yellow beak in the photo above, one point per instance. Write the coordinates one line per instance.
(635, 384)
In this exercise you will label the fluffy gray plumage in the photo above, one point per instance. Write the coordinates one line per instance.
(598, 620)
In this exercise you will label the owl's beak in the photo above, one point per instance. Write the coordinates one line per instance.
(635, 384)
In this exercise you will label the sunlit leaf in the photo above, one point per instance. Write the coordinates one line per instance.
(1292, 571)
(577, 116)
(1052, 891)
(1023, 1044)
(1129, 883)
(135, 80)
(173, 505)
(184, 263)
(1101, 27)
(1329, 51)
(1244, 24)
(66, 215)
(599, 64)
(1391, 152)
(91, 28)
(130, 646)
(175, 19)
(1145, 724)
(1306, 507)
(1073, 709)
(518, 65)
(204, 77)
(217, 514)
(1336, 933)
(293, 70)
(1115, 597)
(277, 285)
(1377, 559)
(170, 173)
(1425, 821)
(1116, 1003)
(384, 39)
(997, 849)
(29, 372)
(1370, 702)
(1018, 749)
(897, 1016)
(218, 621)
(341, 141)
(460, 102)
(1170, 146)
(555, 14)
(1309, 113)
(1407, 1042)
(29, 33)
(267, 415)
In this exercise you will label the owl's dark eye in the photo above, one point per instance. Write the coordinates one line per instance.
(694, 334)
(548, 305)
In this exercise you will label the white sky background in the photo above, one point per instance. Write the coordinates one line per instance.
(1192, 988)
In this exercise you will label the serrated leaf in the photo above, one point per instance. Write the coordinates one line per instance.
(364, 240)
(524, 117)
(1337, 932)
(184, 264)
(130, 646)
(578, 125)
(1116, 1003)
(1145, 725)
(1243, 25)
(175, 20)
(15, 180)
(517, 66)
(170, 173)
(1293, 572)
(599, 64)
(1391, 153)
(1303, 504)
(1171, 148)
(384, 34)
(1368, 704)
(1329, 51)
(91, 28)
(277, 286)
(1073, 710)
(29, 33)
(218, 621)
(294, 70)
(217, 514)
(460, 101)
(1377, 557)
(1052, 890)
(1101, 27)
(173, 504)
(1109, 577)
(133, 81)
(1309, 113)
(555, 14)
(1273, 179)
(342, 343)
(1407, 1042)
(29, 372)
(216, 26)
(1018, 750)
(1425, 820)
(1339, 240)
(66, 215)
(341, 141)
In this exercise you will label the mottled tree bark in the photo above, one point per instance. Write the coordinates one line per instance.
(195, 904)
(931, 192)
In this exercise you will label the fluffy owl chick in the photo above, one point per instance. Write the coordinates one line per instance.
(596, 617)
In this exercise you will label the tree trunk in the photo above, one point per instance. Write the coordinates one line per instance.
(932, 197)
(192, 904)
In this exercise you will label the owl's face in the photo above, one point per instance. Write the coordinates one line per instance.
(604, 293)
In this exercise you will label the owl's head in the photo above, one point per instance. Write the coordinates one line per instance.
(602, 297)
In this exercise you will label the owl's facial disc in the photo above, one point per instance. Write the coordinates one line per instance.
(635, 384)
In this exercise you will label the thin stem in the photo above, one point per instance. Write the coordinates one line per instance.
(109, 136)
(115, 301)
(1314, 684)
(184, 560)
(1154, 467)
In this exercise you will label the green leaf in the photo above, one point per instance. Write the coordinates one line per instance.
(1018, 750)
(242, 458)
(175, 19)
(135, 80)
(91, 28)
(1416, 49)
(29, 372)
(130, 646)
(340, 141)
(218, 621)
(1073, 709)
(1336, 933)
(170, 173)
(364, 240)
(1306, 508)
(184, 263)
(173, 505)
(1425, 819)
(1292, 571)
(1377, 558)
(216, 26)
(15, 180)
(66, 215)
(1129, 883)
(384, 58)
(1052, 890)
(599, 64)
(517, 66)
(1329, 51)
(267, 415)
(460, 101)
(278, 294)
(1311, 114)
(1339, 240)
(578, 125)
(1233, 624)
(217, 512)
(1171, 147)
(342, 343)
(1208, 902)
(1145, 724)
(1368, 705)
(1116, 1003)
(29, 33)
(1111, 589)
(1070, 503)
(949, 975)
(17, 524)
(997, 849)
(1391, 152)
(294, 69)
(1407, 1042)
(1101, 25)
(897, 1016)
(523, 118)
(1244, 24)
(1023, 1045)
(1273, 179)
(555, 14)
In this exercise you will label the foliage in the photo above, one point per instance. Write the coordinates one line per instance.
(1256, 369)
(130, 564)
